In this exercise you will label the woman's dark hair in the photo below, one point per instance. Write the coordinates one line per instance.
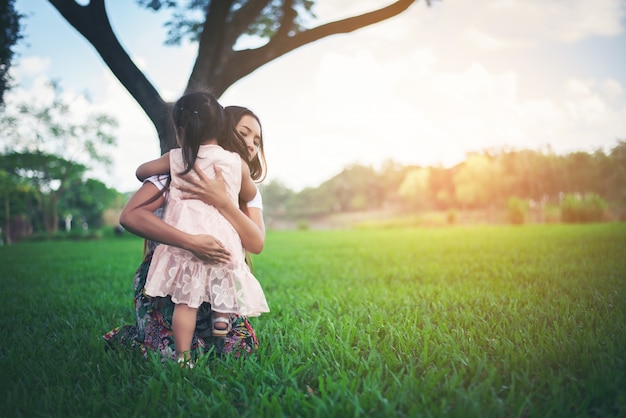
(258, 165)
(197, 117)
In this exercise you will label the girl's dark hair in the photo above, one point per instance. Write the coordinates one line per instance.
(258, 165)
(197, 117)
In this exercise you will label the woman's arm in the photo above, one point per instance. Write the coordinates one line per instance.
(248, 222)
(251, 229)
(159, 166)
(138, 217)
(255, 214)
(248, 188)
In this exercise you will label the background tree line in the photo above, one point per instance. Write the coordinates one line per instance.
(575, 187)
(522, 182)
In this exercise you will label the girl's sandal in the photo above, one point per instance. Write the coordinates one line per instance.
(220, 332)
(184, 363)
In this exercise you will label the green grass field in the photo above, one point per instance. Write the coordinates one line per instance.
(458, 322)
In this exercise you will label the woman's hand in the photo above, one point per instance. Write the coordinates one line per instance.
(210, 191)
(209, 249)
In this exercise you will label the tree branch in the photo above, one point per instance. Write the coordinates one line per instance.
(246, 61)
(92, 22)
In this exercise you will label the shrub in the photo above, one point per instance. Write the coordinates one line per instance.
(452, 216)
(517, 209)
(583, 208)
(551, 213)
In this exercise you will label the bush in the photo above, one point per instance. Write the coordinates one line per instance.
(452, 216)
(576, 208)
(551, 213)
(517, 210)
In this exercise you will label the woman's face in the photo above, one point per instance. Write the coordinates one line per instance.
(250, 131)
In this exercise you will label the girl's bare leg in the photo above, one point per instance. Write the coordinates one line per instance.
(183, 326)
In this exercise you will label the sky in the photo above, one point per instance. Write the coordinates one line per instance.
(423, 88)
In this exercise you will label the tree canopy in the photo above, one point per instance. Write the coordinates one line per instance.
(9, 36)
(47, 175)
(218, 27)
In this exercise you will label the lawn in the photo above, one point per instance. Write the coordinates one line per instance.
(463, 321)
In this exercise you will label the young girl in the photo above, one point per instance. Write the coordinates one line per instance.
(208, 142)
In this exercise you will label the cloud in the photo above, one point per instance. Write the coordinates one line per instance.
(491, 24)
(612, 87)
(588, 103)
(29, 67)
(484, 41)
(511, 22)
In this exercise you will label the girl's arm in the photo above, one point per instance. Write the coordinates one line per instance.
(138, 217)
(159, 166)
(251, 229)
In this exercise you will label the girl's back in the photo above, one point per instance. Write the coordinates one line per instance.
(195, 216)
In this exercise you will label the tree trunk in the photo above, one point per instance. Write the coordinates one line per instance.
(49, 214)
(7, 220)
(54, 213)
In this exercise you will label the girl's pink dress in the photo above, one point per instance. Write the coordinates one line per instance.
(229, 288)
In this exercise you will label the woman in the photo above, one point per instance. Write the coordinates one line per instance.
(153, 328)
